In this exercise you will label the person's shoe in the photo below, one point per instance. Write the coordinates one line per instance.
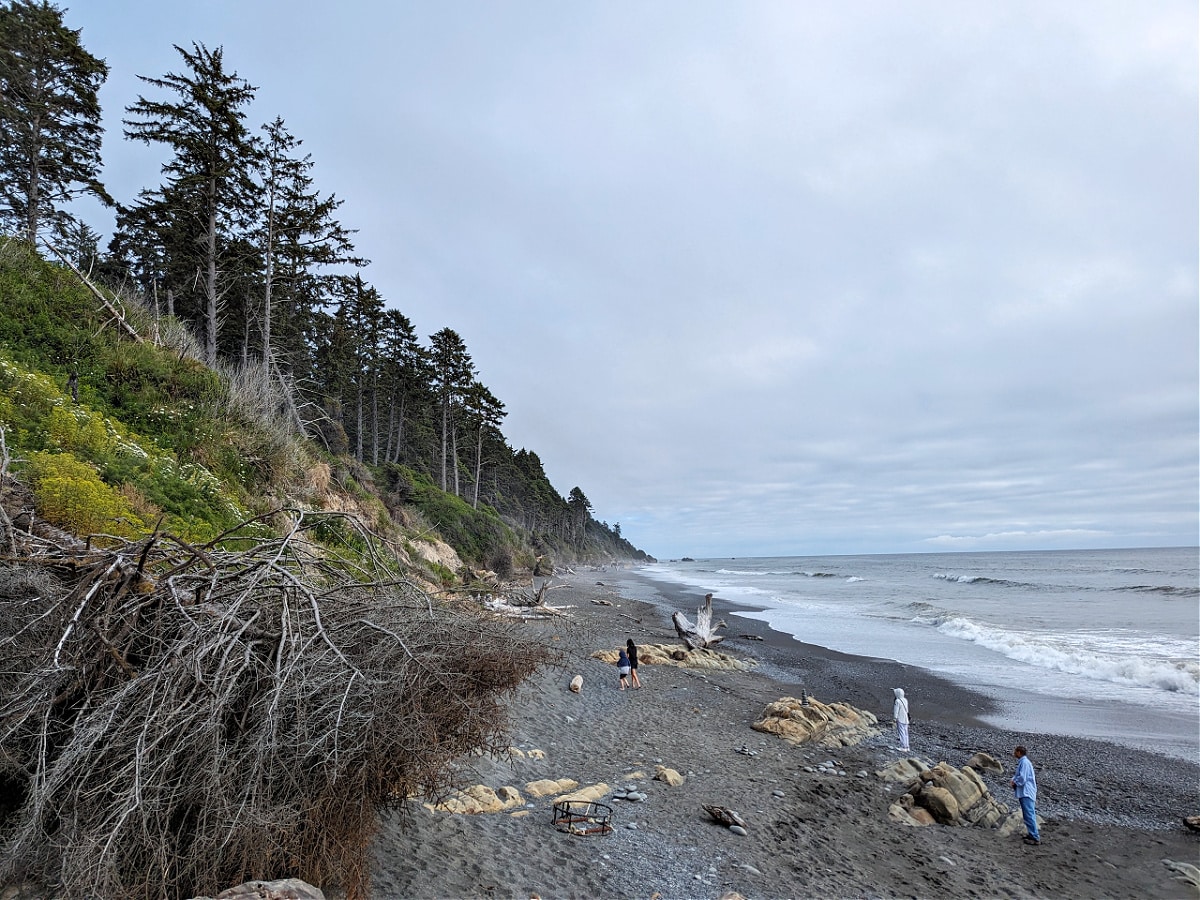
(1032, 841)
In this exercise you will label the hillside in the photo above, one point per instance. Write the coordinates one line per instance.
(115, 426)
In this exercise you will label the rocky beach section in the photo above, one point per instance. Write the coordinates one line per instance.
(838, 813)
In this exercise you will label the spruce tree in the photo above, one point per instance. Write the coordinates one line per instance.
(209, 187)
(297, 237)
(50, 128)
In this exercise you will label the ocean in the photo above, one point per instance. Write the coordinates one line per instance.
(1095, 643)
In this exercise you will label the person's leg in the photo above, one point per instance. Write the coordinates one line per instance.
(1029, 814)
(902, 727)
(637, 682)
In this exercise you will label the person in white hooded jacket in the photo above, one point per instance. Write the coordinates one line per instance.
(900, 714)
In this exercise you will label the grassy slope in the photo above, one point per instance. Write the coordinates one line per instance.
(158, 439)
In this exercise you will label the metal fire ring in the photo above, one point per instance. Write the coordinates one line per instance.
(583, 817)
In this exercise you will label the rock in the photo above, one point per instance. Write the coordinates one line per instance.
(548, 786)
(536, 754)
(670, 776)
(576, 684)
(283, 889)
(982, 762)
(828, 725)
(738, 830)
(1192, 823)
(590, 793)
(940, 803)
(917, 817)
(777, 794)
(516, 753)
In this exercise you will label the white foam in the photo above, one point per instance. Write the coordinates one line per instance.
(1123, 662)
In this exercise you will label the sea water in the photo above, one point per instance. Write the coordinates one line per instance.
(1100, 643)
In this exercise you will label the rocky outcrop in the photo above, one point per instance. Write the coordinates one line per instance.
(680, 656)
(811, 721)
(479, 799)
(947, 796)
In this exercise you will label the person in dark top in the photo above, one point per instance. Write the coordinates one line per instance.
(631, 652)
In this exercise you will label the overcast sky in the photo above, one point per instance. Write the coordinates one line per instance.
(768, 278)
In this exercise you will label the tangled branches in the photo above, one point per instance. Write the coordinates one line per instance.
(177, 719)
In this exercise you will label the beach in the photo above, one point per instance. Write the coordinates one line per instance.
(1112, 815)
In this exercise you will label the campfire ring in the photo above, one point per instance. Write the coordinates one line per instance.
(583, 817)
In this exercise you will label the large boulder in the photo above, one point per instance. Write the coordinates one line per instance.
(811, 721)
(950, 796)
(940, 803)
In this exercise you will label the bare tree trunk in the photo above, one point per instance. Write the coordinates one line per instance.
(358, 451)
(375, 418)
(445, 439)
(210, 287)
(478, 467)
(454, 445)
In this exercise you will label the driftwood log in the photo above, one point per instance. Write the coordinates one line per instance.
(724, 815)
(704, 633)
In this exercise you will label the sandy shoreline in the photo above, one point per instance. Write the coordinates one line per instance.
(1112, 814)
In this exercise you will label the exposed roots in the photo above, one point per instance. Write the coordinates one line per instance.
(175, 719)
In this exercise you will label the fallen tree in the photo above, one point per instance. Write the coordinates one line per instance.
(176, 719)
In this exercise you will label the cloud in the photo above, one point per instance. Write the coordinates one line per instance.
(773, 277)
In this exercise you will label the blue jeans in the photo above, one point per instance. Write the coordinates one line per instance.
(1030, 816)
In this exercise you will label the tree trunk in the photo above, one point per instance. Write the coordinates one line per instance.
(210, 286)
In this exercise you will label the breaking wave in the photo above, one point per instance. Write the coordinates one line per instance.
(1120, 663)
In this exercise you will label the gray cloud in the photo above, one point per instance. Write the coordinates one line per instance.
(773, 278)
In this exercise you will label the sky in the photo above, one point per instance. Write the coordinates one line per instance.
(795, 278)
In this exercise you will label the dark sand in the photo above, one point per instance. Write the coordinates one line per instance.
(1112, 815)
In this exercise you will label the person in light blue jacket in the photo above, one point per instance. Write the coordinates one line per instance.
(1024, 784)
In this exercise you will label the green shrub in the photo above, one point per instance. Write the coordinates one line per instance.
(70, 494)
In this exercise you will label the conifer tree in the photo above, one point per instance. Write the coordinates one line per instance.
(297, 236)
(485, 413)
(453, 374)
(209, 175)
(50, 128)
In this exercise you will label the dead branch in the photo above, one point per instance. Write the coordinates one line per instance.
(118, 315)
(177, 719)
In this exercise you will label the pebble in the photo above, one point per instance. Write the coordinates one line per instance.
(632, 826)
(861, 773)
(776, 793)
(749, 868)
(738, 830)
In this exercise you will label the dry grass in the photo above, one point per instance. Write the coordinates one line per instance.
(175, 719)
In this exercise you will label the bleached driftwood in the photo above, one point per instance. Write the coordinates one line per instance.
(704, 633)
